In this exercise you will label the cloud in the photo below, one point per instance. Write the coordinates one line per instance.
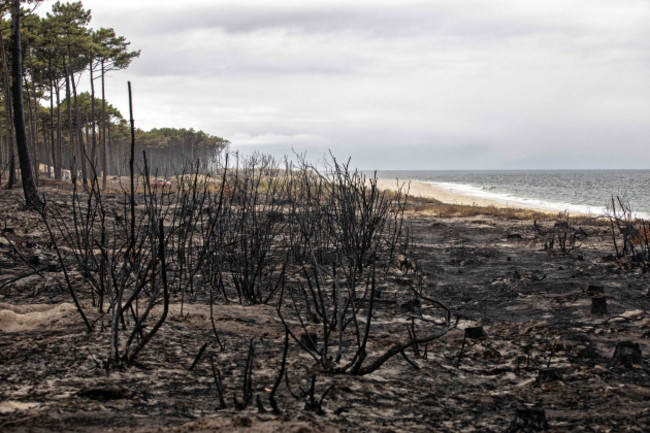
(269, 139)
(470, 18)
(273, 52)
(451, 84)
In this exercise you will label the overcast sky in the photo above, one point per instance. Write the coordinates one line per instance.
(454, 84)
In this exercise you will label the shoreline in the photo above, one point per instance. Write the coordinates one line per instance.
(428, 190)
(448, 196)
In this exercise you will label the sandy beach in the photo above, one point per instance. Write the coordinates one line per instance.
(428, 190)
(454, 197)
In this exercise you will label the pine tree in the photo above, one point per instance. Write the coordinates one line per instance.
(29, 186)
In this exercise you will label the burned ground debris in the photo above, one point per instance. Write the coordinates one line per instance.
(274, 319)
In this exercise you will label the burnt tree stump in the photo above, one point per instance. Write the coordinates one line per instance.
(594, 290)
(472, 333)
(547, 375)
(598, 306)
(475, 333)
(528, 419)
(627, 353)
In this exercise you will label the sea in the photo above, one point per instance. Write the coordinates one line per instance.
(574, 191)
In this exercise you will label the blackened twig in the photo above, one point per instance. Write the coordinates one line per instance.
(198, 356)
(417, 367)
(278, 380)
(217, 380)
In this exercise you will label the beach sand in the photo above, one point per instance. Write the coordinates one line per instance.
(427, 190)
(452, 197)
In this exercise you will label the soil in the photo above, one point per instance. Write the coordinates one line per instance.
(544, 361)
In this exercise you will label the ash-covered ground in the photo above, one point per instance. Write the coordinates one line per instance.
(544, 360)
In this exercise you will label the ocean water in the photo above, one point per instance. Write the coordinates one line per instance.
(583, 191)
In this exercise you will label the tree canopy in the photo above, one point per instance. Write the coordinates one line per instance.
(66, 128)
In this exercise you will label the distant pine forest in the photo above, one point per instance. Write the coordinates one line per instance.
(72, 131)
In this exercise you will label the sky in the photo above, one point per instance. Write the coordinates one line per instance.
(396, 84)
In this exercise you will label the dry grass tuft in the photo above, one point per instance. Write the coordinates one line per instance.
(433, 208)
(429, 207)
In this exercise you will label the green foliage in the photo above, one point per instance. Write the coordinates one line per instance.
(111, 51)
(57, 49)
(85, 108)
(171, 150)
(172, 137)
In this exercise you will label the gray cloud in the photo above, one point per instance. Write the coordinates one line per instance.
(493, 19)
(398, 84)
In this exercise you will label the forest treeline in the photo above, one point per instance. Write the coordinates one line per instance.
(70, 131)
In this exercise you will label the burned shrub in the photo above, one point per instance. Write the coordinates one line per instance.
(344, 237)
(630, 236)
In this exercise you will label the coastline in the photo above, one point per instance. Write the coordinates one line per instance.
(577, 193)
(428, 190)
(453, 197)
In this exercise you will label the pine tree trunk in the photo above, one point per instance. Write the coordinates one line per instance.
(55, 163)
(93, 114)
(59, 136)
(104, 149)
(46, 155)
(71, 151)
(29, 187)
(9, 115)
(32, 142)
(32, 107)
(83, 155)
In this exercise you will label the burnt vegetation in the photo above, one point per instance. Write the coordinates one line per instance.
(323, 247)
(289, 291)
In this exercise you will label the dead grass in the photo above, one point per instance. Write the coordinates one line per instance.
(416, 206)
(428, 207)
